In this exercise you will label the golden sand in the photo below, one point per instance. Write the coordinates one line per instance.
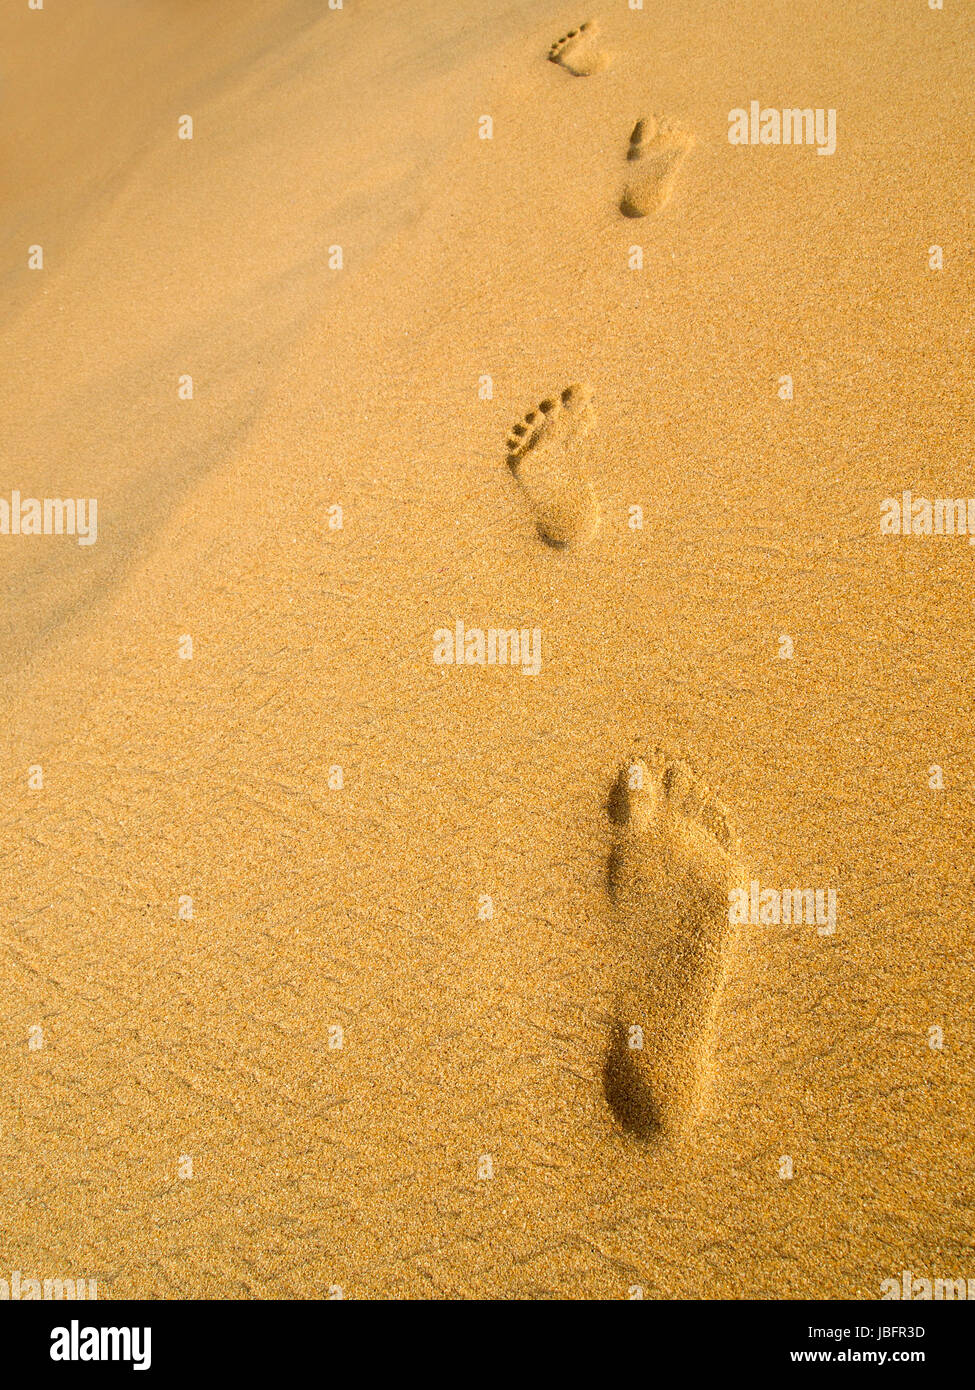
(321, 957)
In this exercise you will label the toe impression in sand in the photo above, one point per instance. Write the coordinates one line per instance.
(579, 51)
(674, 860)
(544, 450)
(657, 150)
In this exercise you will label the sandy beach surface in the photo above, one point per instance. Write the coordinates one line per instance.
(331, 964)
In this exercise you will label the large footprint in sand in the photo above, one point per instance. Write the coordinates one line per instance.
(673, 862)
(657, 150)
(544, 451)
(579, 51)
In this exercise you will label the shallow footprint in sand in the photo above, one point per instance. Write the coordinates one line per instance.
(579, 51)
(657, 150)
(673, 862)
(543, 451)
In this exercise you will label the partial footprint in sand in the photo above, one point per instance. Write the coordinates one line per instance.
(671, 868)
(658, 148)
(579, 51)
(543, 455)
